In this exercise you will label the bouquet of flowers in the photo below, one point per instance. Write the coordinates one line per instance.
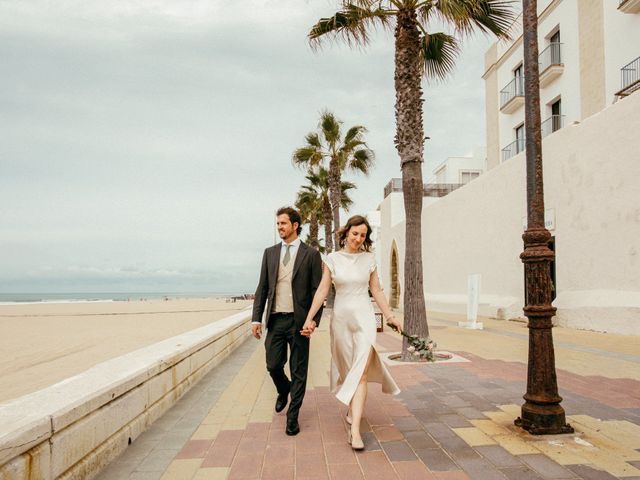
(423, 348)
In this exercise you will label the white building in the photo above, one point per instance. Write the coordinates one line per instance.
(591, 155)
(461, 170)
(589, 57)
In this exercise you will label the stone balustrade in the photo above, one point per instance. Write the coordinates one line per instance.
(75, 427)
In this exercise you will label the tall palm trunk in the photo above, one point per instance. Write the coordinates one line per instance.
(335, 193)
(326, 213)
(409, 143)
(313, 230)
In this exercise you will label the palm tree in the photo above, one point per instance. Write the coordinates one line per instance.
(308, 203)
(418, 53)
(328, 148)
(313, 203)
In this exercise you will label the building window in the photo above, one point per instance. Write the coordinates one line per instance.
(556, 121)
(554, 49)
(520, 138)
(467, 175)
(519, 71)
(556, 114)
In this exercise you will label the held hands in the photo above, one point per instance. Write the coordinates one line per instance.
(308, 328)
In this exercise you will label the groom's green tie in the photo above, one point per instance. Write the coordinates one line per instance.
(287, 256)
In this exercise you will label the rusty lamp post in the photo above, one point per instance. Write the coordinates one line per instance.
(541, 413)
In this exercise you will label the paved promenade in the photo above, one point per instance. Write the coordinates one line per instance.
(452, 421)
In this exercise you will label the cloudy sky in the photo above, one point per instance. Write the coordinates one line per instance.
(145, 144)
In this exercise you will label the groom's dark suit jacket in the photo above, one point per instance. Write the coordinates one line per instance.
(307, 272)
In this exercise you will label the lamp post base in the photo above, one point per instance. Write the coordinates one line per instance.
(543, 419)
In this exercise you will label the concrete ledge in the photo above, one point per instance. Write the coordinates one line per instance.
(612, 311)
(75, 427)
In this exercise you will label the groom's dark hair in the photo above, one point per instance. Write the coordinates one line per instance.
(294, 216)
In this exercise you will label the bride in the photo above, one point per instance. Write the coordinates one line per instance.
(354, 360)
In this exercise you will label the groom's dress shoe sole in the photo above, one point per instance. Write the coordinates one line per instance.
(293, 428)
(281, 402)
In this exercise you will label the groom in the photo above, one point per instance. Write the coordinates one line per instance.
(290, 274)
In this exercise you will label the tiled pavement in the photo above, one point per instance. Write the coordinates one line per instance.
(453, 420)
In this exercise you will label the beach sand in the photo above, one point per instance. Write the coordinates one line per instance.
(42, 344)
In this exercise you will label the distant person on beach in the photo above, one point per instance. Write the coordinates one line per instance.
(354, 360)
(289, 278)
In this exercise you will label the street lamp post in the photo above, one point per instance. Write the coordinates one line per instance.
(541, 413)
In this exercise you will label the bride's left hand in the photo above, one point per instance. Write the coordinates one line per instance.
(308, 328)
(394, 324)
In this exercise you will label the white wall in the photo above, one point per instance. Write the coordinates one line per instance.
(392, 232)
(566, 86)
(622, 44)
(591, 182)
(374, 221)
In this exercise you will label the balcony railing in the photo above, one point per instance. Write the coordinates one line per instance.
(550, 56)
(515, 88)
(551, 124)
(630, 78)
(429, 189)
(512, 149)
(440, 189)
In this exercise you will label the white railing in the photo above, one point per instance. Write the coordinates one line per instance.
(630, 76)
(550, 56)
(515, 88)
(551, 124)
(512, 149)
(429, 189)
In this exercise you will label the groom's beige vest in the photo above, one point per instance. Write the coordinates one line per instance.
(284, 296)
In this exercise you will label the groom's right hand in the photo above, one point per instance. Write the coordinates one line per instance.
(256, 330)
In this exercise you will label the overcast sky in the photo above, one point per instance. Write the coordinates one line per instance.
(145, 144)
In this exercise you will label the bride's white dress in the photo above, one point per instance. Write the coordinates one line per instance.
(353, 326)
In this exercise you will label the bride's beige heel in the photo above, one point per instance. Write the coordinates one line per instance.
(357, 444)
(347, 418)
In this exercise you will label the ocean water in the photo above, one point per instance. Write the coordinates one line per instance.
(47, 297)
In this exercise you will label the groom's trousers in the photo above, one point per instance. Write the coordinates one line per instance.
(282, 335)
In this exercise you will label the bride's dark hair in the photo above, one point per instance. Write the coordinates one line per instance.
(355, 221)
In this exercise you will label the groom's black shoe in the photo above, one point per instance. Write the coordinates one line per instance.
(293, 428)
(281, 401)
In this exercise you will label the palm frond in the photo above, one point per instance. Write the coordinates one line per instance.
(330, 127)
(352, 23)
(349, 147)
(345, 200)
(354, 133)
(362, 161)
(438, 53)
(313, 140)
(489, 16)
(306, 157)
